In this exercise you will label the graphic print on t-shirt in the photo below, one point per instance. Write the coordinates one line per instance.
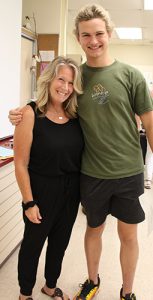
(100, 94)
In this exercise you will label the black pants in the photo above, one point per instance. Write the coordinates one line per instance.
(143, 143)
(58, 201)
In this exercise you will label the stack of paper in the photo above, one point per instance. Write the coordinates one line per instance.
(6, 153)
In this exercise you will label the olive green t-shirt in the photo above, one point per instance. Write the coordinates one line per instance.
(112, 95)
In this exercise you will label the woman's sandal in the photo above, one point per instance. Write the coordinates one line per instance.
(57, 293)
(147, 184)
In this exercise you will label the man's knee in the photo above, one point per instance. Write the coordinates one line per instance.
(95, 231)
(127, 233)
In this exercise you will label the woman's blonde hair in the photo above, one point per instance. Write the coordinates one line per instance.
(90, 12)
(45, 79)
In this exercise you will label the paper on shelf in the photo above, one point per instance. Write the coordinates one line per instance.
(47, 55)
(6, 153)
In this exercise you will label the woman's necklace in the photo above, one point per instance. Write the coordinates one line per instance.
(58, 114)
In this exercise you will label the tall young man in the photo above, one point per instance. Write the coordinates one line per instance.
(112, 164)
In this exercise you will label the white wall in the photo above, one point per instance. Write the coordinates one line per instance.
(10, 49)
(47, 14)
(137, 55)
(133, 54)
(73, 46)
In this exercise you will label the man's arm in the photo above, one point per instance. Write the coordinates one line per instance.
(15, 116)
(147, 121)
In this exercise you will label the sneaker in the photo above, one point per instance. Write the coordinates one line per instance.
(130, 296)
(88, 290)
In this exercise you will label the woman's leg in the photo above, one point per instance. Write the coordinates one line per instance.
(30, 250)
(60, 233)
(35, 234)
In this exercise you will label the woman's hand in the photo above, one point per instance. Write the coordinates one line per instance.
(33, 214)
(15, 116)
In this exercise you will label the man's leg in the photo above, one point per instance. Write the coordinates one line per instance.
(128, 254)
(96, 199)
(93, 248)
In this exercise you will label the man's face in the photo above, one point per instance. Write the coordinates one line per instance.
(93, 37)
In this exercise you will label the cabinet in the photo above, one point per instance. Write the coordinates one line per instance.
(11, 223)
(28, 77)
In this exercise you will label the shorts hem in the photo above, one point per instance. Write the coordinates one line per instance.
(129, 221)
(97, 225)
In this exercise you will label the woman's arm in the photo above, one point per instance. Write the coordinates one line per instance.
(23, 138)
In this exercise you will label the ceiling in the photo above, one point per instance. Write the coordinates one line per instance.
(124, 13)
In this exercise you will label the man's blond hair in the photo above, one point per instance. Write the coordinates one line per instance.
(90, 12)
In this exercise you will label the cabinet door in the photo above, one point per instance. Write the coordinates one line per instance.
(26, 74)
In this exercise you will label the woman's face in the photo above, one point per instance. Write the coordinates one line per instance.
(61, 86)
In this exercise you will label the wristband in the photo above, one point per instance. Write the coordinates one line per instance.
(28, 204)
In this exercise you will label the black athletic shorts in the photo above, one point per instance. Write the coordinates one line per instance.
(118, 197)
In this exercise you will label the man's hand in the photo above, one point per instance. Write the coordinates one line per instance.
(15, 116)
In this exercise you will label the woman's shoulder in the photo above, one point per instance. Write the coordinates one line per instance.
(27, 112)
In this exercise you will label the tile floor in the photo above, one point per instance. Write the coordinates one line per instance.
(74, 267)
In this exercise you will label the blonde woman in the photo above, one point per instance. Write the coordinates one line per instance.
(48, 144)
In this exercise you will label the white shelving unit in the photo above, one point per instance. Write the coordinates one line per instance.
(11, 223)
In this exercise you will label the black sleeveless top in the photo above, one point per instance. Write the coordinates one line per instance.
(56, 148)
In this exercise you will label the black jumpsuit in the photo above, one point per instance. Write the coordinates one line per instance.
(54, 170)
